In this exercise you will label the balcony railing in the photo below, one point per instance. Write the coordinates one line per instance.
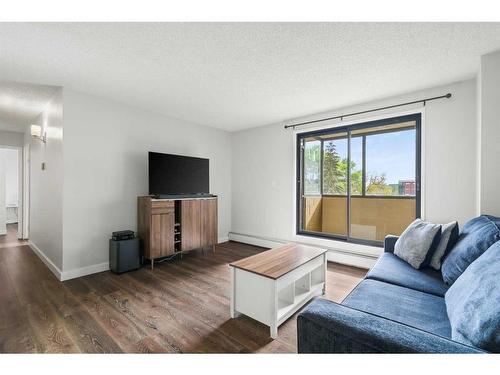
(371, 217)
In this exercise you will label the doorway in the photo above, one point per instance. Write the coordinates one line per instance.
(11, 196)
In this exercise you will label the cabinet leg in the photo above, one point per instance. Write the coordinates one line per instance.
(152, 263)
(232, 301)
(213, 249)
(273, 331)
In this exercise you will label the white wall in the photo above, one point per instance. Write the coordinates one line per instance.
(46, 186)
(12, 139)
(263, 168)
(95, 185)
(10, 127)
(489, 127)
(105, 169)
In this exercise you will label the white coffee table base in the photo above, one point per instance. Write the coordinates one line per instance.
(273, 301)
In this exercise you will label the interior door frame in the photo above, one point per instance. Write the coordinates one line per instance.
(25, 201)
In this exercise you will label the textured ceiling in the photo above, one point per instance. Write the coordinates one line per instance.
(21, 103)
(234, 76)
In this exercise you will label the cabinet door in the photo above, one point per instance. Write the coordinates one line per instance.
(209, 232)
(162, 235)
(190, 224)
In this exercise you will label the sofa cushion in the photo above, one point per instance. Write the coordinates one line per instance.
(449, 237)
(391, 269)
(327, 327)
(477, 236)
(473, 302)
(418, 242)
(407, 306)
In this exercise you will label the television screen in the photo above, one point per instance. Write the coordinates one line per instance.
(176, 175)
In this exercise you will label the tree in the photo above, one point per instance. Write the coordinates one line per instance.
(377, 185)
(334, 173)
(356, 180)
(312, 154)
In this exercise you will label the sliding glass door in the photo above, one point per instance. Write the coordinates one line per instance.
(359, 182)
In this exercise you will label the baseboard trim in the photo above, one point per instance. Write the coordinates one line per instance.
(223, 239)
(78, 272)
(50, 265)
(334, 255)
(71, 274)
(84, 271)
(96, 268)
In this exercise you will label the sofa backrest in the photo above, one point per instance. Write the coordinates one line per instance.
(476, 237)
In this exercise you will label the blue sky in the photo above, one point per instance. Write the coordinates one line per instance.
(392, 154)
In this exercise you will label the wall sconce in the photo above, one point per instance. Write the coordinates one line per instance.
(36, 132)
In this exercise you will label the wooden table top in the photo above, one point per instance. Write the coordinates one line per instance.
(279, 261)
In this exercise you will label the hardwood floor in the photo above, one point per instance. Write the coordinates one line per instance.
(10, 239)
(181, 306)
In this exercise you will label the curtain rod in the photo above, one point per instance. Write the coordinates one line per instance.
(341, 117)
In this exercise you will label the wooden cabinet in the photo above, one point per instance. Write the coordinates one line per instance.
(198, 223)
(162, 235)
(156, 222)
(190, 224)
(169, 226)
(208, 226)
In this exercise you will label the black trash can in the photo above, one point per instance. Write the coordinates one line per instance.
(124, 255)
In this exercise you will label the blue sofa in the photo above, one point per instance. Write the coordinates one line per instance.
(395, 309)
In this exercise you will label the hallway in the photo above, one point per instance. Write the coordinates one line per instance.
(10, 239)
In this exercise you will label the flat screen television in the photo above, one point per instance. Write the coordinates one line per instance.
(177, 175)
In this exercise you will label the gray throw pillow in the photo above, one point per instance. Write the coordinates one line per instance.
(417, 242)
(449, 236)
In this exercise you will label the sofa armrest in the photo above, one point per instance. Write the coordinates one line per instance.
(327, 327)
(389, 242)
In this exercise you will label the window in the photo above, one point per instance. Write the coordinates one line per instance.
(335, 166)
(359, 182)
(312, 166)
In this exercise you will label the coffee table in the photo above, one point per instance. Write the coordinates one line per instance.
(271, 286)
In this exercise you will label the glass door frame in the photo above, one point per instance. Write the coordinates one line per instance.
(416, 117)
